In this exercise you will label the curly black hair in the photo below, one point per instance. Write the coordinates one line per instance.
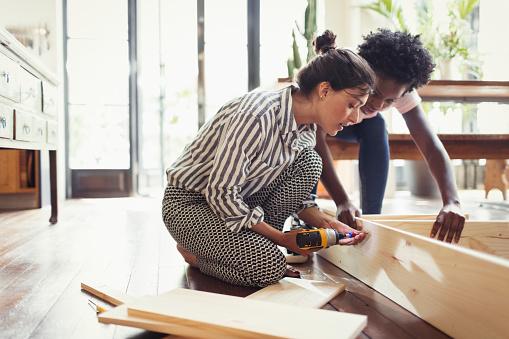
(397, 55)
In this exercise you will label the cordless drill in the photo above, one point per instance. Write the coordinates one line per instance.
(320, 238)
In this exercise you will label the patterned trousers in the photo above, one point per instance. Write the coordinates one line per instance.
(245, 258)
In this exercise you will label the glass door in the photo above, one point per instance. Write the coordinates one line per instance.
(97, 69)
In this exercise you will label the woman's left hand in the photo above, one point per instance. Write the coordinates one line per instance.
(358, 236)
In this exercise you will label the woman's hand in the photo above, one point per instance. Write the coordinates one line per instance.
(288, 240)
(450, 222)
(347, 212)
(358, 236)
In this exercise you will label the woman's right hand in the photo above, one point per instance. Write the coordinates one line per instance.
(289, 240)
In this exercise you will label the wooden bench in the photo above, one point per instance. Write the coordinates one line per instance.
(494, 147)
(459, 146)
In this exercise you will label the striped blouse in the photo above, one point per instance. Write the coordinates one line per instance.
(243, 148)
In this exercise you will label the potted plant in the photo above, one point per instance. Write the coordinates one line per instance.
(294, 63)
(447, 41)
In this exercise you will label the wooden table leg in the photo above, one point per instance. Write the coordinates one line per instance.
(53, 186)
(494, 176)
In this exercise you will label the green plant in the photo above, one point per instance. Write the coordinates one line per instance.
(391, 10)
(309, 33)
(445, 43)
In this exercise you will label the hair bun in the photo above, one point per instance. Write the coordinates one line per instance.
(325, 42)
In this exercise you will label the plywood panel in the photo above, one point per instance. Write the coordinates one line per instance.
(228, 316)
(289, 291)
(462, 292)
(299, 292)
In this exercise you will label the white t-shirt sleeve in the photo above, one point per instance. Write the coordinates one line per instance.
(407, 102)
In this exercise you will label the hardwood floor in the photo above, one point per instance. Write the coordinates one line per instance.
(123, 243)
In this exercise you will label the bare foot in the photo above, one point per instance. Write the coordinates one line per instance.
(189, 257)
(291, 272)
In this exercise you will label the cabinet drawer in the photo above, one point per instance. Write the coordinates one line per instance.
(6, 122)
(9, 79)
(52, 132)
(49, 98)
(39, 134)
(24, 126)
(31, 91)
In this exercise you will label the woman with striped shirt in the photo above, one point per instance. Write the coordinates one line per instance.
(253, 165)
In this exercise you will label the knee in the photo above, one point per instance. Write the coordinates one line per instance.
(267, 270)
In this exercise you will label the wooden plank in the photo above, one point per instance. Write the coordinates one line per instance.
(107, 294)
(455, 289)
(118, 316)
(332, 212)
(289, 291)
(386, 318)
(472, 228)
(490, 237)
(229, 316)
(299, 292)
(374, 217)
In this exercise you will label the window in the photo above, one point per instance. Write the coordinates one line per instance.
(98, 72)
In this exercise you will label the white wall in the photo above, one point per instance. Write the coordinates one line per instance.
(350, 22)
(33, 14)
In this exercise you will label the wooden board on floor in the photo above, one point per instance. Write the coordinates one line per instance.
(460, 291)
(234, 317)
(118, 316)
(289, 291)
(299, 292)
(106, 294)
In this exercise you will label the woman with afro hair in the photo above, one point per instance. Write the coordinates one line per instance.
(401, 64)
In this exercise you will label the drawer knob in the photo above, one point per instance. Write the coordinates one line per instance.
(6, 76)
(26, 129)
(3, 122)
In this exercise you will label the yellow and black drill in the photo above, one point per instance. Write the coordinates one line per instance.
(320, 238)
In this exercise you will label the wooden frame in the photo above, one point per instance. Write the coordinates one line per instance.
(490, 237)
(461, 291)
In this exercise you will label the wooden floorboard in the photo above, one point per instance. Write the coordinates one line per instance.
(123, 243)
